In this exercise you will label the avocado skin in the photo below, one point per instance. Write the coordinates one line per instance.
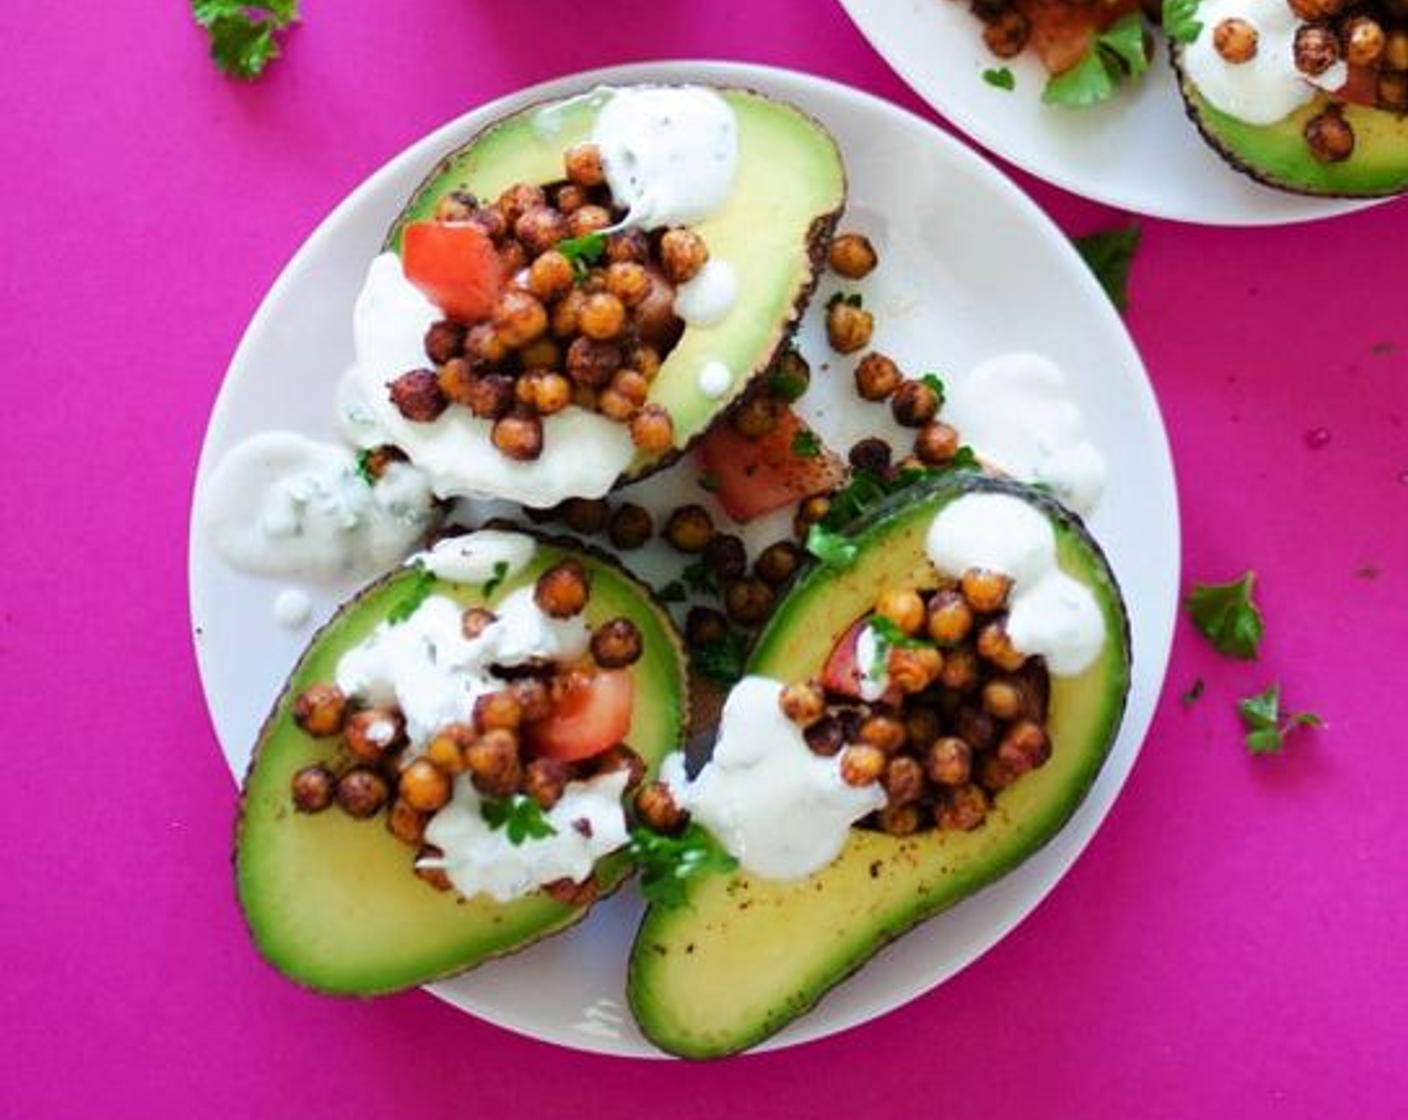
(734, 965)
(473, 163)
(1276, 155)
(438, 934)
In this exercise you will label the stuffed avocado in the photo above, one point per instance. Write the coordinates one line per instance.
(1310, 96)
(955, 755)
(576, 293)
(548, 661)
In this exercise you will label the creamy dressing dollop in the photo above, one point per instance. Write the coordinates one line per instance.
(292, 607)
(780, 810)
(587, 824)
(583, 452)
(670, 152)
(1267, 87)
(480, 556)
(281, 504)
(1049, 614)
(1018, 412)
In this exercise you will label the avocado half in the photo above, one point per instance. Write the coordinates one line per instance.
(745, 956)
(332, 902)
(1277, 154)
(773, 231)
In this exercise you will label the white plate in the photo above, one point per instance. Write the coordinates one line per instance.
(969, 267)
(1137, 152)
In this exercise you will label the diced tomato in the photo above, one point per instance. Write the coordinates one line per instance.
(456, 266)
(755, 477)
(593, 716)
(1063, 30)
(842, 672)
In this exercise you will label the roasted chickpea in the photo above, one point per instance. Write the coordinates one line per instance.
(826, 737)
(1002, 699)
(960, 671)
(748, 602)
(862, 764)
(778, 563)
(312, 788)
(361, 792)
(914, 404)
(571, 197)
(948, 761)
(587, 220)
(320, 710)
(583, 165)
(513, 259)
(534, 698)
(985, 590)
(563, 590)
(539, 228)
(871, 454)
(544, 391)
(621, 757)
(497, 711)
(922, 725)
(645, 360)
(683, 255)
(493, 765)
(963, 809)
(519, 318)
(489, 396)
(652, 430)
(725, 556)
(628, 245)
(519, 435)
(877, 376)
(432, 876)
(483, 346)
(444, 340)
(631, 526)
(1006, 36)
(456, 380)
(903, 607)
(937, 443)
(657, 809)
(585, 515)
(614, 406)
(914, 670)
(545, 781)
(903, 780)
(790, 376)
(447, 746)
(592, 362)
(1393, 89)
(628, 282)
(852, 255)
(1235, 40)
(424, 786)
(565, 313)
(373, 732)
(996, 646)
(550, 276)
(883, 732)
(848, 328)
(689, 529)
(406, 823)
(490, 221)
(617, 643)
(1024, 747)
(379, 459)
(704, 626)
(1395, 55)
(975, 727)
(1317, 48)
(1317, 9)
(602, 317)
(756, 416)
(803, 702)
(993, 773)
(814, 509)
(518, 200)
(475, 621)
(456, 206)
(417, 396)
(900, 820)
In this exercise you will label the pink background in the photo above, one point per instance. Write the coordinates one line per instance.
(1231, 944)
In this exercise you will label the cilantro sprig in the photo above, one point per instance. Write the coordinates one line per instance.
(888, 636)
(1225, 614)
(722, 660)
(1267, 724)
(416, 593)
(806, 444)
(244, 36)
(1180, 20)
(495, 581)
(1116, 54)
(831, 546)
(364, 466)
(583, 252)
(522, 817)
(1000, 78)
(1109, 253)
(668, 863)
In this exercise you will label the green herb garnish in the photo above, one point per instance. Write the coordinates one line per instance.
(785, 385)
(521, 816)
(500, 573)
(709, 481)
(1225, 614)
(888, 636)
(672, 592)
(1116, 53)
(1180, 20)
(700, 578)
(806, 444)
(1267, 725)
(243, 34)
(417, 592)
(852, 300)
(583, 252)
(723, 659)
(935, 383)
(1001, 78)
(364, 466)
(668, 863)
(1109, 253)
(832, 547)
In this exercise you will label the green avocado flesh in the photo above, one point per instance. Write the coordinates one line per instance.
(1277, 154)
(773, 231)
(746, 956)
(332, 902)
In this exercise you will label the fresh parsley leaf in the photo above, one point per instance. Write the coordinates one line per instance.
(700, 578)
(583, 251)
(668, 863)
(806, 444)
(965, 458)
(492, 584)
(1109, 253)
(364, 466)
(1194, 693)
(1180, 20)
(1267, 725)
(243, 35)
(709, 481)
(832, 547)
(936, 384)
(521, 816)
(888, 636)
(1001, 78)
(1225, 614)
(722, 660)
(672, 592)
(1116, 53)
(785, 385)
(416, 593)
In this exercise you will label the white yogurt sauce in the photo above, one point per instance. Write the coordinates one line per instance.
(714, 379)
(710, 296)
(1018, 413)
(583, 452)
(476, 557)
(280, 504)
(871, 685)
(426, 667)
(670, 153)
(1268, 86)
(292, 607)
(588, 823)
(780, 810)
(1050, 614)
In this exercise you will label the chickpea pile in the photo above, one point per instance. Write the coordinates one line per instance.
(589, 329)
(373, 772)
(963, 718)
